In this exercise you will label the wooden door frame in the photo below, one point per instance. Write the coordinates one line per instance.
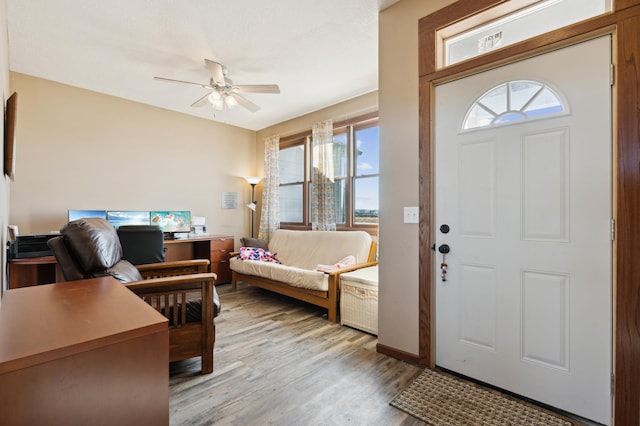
(624, 24)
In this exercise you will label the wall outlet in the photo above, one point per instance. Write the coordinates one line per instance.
(411, 214)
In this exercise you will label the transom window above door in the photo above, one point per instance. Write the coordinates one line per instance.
(508, 23)
(513, 101)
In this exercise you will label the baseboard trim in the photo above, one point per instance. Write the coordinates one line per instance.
(398, 354)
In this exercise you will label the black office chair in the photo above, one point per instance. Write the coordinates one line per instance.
(141, 244)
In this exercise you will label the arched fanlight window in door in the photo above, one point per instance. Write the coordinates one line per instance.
(517, 100)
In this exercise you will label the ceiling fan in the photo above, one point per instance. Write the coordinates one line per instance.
(223, 92)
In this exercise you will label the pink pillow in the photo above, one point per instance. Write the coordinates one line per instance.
(342, 263)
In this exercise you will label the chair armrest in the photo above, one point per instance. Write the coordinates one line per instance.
(163, 293)
(352, 268)
(167, 269)
(169, 284)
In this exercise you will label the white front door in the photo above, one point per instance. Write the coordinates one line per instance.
(526, 305)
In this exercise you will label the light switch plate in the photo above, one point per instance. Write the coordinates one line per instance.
(411, 214)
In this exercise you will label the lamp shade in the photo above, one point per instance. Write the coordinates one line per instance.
(253, 180)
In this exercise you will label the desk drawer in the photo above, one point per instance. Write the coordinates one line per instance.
(220, 249)
(222, 244)
(219, 257)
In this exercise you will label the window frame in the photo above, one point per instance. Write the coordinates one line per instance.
(300, 139)
(304, 138)
(353, 176)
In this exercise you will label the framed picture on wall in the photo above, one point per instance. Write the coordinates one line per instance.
(10, 136)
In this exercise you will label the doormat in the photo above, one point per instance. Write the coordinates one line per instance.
(440, 399)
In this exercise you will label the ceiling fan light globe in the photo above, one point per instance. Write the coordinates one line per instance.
(218, 104)
(230, 101)
(214, 97)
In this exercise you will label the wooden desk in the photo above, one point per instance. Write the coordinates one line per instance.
(33, 271)
(215, 248)
(85, 352)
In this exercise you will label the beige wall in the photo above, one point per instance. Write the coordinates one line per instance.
(4, 182)
(78, 149)
(398, 93)
(339, 112)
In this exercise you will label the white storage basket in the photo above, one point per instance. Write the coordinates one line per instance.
(359, 299)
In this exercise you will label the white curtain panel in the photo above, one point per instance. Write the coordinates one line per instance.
(270, 217)
(323, 215)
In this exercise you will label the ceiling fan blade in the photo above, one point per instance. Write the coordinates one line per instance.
(202, 101)
(216, 71)
(257, 88)
(170, 80)
(242, 101)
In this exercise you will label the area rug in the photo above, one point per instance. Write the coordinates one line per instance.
(440, 399)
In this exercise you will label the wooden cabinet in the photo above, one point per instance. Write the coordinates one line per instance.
(84, 352)
(215, 248)
(219, 256)
(32, 271)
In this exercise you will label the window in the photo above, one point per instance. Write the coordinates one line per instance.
(513, 101)
(367, 148)
(356, 169)
(509, 23)
(291, 164)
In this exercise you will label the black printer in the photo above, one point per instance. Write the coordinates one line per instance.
(26, 246)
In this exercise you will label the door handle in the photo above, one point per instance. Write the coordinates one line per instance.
(444, 248)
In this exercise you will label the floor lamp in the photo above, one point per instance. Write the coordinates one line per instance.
(253, 181)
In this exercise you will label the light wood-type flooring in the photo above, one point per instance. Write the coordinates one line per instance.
(279, 361)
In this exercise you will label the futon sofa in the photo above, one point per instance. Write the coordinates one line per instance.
(308, 265)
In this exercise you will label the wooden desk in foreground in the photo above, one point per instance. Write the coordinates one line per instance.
(82, 353)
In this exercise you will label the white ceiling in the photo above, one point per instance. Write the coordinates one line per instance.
(318, 52)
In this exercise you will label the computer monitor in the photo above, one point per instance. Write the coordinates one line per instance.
(83, 214)
(171, 222)
(127, 217)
